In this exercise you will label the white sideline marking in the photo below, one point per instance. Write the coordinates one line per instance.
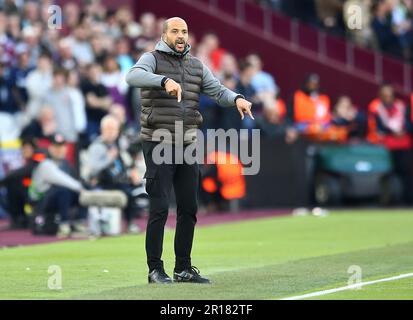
(352, 286)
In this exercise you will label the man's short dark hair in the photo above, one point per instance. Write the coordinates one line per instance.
(244, 65)
(60, 71)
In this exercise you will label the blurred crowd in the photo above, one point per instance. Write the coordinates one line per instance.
(385, 24)
(63, 90)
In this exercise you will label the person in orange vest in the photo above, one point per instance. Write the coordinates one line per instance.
(390, 124)
(309, 110)
(223, 180)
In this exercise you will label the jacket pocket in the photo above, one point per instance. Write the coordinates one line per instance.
(152, 185)
(198, 119)
(145, 114)
(150, 117)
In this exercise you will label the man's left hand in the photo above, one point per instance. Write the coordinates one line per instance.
(244, 106)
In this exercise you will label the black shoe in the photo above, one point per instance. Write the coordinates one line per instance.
(158, 276)
(190, 275)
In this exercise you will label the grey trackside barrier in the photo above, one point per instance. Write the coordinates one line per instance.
(103, 198)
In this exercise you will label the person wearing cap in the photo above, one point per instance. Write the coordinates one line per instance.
(53, 188)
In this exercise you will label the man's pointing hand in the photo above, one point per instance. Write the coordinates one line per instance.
(244, 106)
(173, 88)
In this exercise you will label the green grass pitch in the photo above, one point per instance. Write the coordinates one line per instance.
(269, 258)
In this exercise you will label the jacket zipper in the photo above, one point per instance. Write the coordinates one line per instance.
(182, 87)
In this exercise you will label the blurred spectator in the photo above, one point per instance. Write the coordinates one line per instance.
(309, 109)
(389, 124)
(18, 76)
(382, 27)
(65, 55)
(114, 79)
(148, 32)
(81, 48)
(43, 126)
(329, 13)
(229, 66)
(78, 101)
(227, 118)
(245, 87)
(16, 183)
(98, 100)
(54, 190)
(192, 40)
(401, 18)
(14, 27)
(99, 46)
(31, 38)
(273, 122)
(122, 55)
(108, 168)
(346, 115)
(125, 21)
(71, 15)
(203, 54)
(262, 82)
(10, 7)
(127, 135)
(38, 84)
(68, 106)
(7, 100)
(211, 45)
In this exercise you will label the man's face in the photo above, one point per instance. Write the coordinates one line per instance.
(110, 132)
(176, 35)
(387, 95)
(58, 151)
(59, 81)
(95, 73)
(27, 151)
(313, 85)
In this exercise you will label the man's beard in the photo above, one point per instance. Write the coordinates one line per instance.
(180, 45)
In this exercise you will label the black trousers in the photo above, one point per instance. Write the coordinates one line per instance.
(17, 197)
(160, 178)
(402, 160)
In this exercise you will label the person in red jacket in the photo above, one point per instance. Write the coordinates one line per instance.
(389, 124)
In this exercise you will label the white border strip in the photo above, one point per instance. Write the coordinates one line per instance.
(352, 286)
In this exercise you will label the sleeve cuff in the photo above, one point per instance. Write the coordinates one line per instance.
(163, 81)
(237, 97)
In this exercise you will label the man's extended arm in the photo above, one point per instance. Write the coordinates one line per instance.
(214, 89)
(142, 74)
(224, 96)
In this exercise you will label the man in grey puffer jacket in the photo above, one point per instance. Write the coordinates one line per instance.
(171, 81)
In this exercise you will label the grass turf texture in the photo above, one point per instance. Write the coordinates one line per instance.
(258, 259)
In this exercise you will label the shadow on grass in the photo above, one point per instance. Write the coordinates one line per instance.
(275, 281)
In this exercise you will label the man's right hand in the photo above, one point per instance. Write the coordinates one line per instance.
(174, 89)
